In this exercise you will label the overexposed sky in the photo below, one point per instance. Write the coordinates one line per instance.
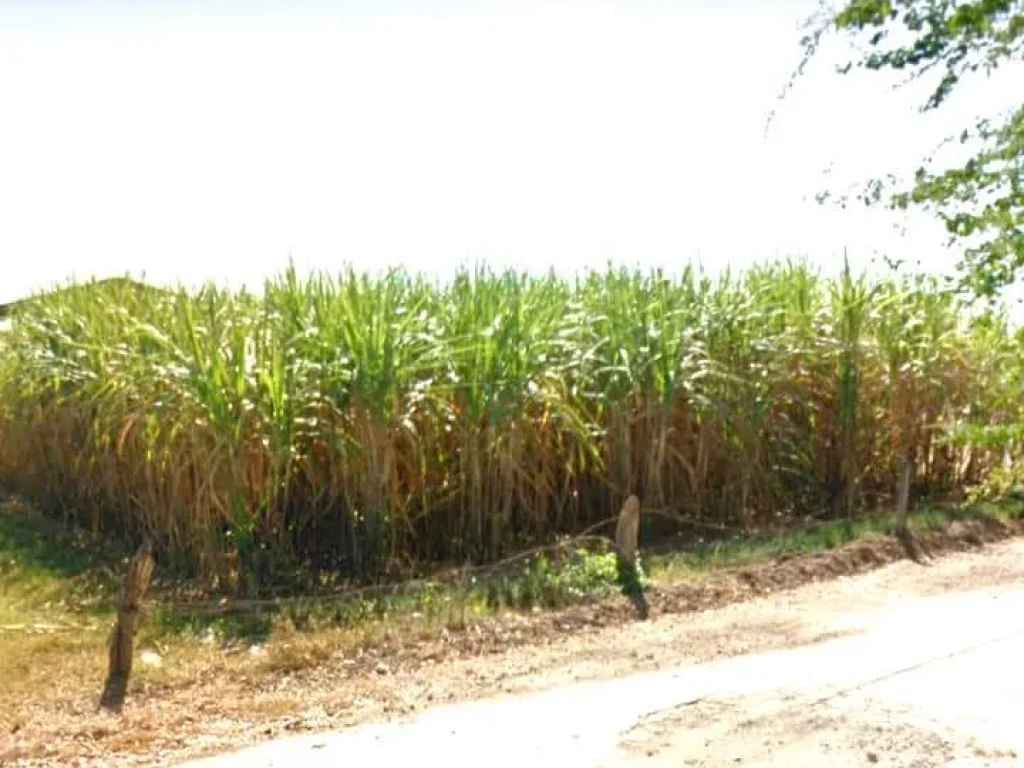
(198, 140)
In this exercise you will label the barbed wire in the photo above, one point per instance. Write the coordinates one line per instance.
(460, 578)
(464, 577)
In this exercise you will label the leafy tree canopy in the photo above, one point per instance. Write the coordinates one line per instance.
(981, 201)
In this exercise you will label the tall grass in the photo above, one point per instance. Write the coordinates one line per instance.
(363, 426)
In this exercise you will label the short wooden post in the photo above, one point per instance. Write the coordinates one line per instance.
(122, 638)
(902, 531)
(627, 534)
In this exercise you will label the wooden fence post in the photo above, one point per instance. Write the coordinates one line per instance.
(122, 638)
(627, 534)
(901, 529)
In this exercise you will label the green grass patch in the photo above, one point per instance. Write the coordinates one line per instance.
(703, 557)
(59, 587)
(46, 569)
(541, 582)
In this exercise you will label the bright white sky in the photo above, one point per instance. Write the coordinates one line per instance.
(197, 140)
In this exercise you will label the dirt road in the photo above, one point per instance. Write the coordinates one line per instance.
(904, 666)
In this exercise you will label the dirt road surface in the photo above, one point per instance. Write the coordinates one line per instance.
(903, 666)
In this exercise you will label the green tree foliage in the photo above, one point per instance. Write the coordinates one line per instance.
(981, 201)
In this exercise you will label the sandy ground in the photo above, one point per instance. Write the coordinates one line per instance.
(903, 666)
